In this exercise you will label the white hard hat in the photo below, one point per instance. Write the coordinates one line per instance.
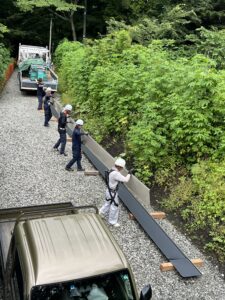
(120, 162)
(79, 122)
(48, 89)
(68, 107)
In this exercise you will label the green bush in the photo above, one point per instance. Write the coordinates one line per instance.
(4, 61)
(210, 43)
(161, 106)
(200, 201)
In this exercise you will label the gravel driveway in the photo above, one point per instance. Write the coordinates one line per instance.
(32, 173)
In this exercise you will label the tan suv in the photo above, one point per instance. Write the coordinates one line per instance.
(59, 252)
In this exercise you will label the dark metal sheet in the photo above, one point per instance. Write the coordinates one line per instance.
(182, 264)
(184, 267)
(171, 251)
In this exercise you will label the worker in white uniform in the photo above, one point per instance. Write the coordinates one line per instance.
(111, 205)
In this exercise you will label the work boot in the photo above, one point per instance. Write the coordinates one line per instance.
(65, 154)
(68, 169)
(55, 149)
(80, 169)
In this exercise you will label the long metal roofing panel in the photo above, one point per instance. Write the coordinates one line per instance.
(181, 263)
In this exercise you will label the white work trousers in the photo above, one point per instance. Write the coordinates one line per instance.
(111, 208)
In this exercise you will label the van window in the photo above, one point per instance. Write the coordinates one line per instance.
(111, 286)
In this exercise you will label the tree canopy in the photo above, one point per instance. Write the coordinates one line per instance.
(62, 9)
(28, 20)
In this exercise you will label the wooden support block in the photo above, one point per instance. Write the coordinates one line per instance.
(131, 216)
(198, 262)
(158, 215)
(91, 173)
(167, 266)
(69, 139)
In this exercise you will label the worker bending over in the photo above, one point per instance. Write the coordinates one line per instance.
(111, 205)
(62, 121)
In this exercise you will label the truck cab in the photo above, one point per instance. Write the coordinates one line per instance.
(63, 253)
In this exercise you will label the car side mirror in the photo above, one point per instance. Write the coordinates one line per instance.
(146, 293)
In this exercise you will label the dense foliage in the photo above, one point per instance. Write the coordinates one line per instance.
(4, 59)
(200, 200)
(147, 19)
(29, 20)
(167, 109)
(4, 54)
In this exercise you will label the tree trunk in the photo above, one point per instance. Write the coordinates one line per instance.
(73, 27)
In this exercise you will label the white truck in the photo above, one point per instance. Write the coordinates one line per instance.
(34, 63)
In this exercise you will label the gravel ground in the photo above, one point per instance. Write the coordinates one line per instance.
(31, 173)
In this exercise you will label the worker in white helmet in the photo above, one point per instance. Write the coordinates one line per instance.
(76, 146)
(40, 92)
(48, 101)
(62, 121)
(111, 205)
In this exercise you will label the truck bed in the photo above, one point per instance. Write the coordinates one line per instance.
(27, 84)
(49, 76)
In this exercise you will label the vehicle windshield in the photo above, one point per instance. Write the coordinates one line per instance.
(113, 286)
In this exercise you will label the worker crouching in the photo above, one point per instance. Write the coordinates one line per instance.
(111, 205)
(62, 121)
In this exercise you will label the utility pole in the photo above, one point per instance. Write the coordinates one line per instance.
(50, 40)
(85, 19)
